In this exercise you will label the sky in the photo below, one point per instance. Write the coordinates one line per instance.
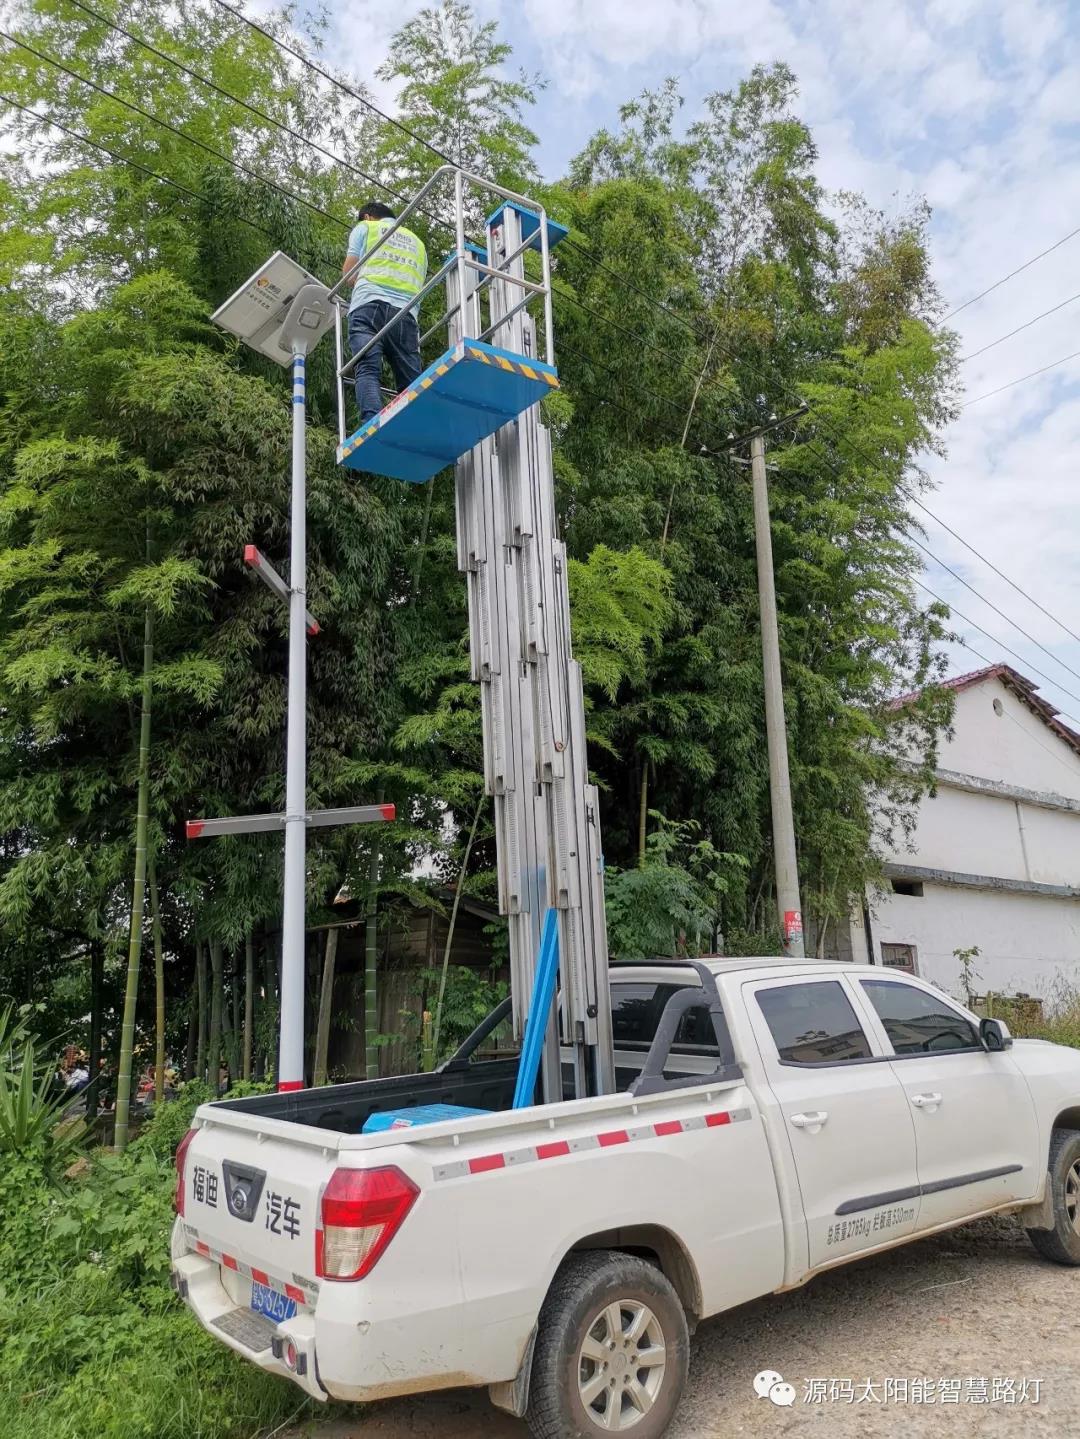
(971, 103)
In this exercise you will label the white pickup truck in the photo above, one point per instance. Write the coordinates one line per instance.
(773, 1119)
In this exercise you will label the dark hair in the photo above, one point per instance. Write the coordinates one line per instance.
(376, 210)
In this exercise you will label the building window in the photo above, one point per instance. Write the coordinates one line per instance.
(900, 956)
(912, 887)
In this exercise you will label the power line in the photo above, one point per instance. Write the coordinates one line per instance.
(910, 494)
(1025, 326)
(82, 139)
(238, 14)
(338, 159)
(235, 99)
(854, 449)
(134, 164)
(967, 645)
(1008, 620)
(570, 298)
(995, 641)
(165, 124)
(1029, 376)
(998, 283)
(255, 175)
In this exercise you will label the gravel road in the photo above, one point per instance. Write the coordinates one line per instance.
(975, 1304)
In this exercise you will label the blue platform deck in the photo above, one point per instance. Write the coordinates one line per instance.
(466, 395)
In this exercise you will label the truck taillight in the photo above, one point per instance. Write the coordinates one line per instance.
(362, 1210)
(181, 1160)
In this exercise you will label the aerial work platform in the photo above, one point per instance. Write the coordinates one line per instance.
(466, 395)
(476, 408)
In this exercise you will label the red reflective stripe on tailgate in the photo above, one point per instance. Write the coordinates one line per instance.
(712, 1120)
(552, 1151)
(202, 1248)
(486, 1162)
(260, 1277)
(229, 1262)
(668, 1126)
(294, 1293)
(613, 1136)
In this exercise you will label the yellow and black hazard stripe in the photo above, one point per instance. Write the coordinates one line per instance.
(515, 367)
(427, 379)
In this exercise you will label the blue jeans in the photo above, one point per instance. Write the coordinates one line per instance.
(401, 345)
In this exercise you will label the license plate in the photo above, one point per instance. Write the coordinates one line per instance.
(269, 1302)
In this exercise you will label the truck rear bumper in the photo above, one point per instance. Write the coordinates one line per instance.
(291, 1351)
(348, 1351)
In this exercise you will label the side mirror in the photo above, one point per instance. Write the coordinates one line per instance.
(994, 1035)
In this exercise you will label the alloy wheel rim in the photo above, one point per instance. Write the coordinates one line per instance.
(621, 1364)
(1072, 1196)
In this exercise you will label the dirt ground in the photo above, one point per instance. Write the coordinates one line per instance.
(975, 1304)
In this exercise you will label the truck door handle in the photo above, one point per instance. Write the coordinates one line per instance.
(926, 1101)
(812, 1121)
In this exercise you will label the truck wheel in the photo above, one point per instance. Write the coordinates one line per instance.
(612, 1350)
(1062, 1243)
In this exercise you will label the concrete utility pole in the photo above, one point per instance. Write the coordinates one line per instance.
(787, 868)
(783, 823)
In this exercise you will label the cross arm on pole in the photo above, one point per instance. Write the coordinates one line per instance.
(257, 561)
(772, 423)
(317, 819)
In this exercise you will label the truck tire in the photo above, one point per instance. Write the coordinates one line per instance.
(612, 1332)
(1062, 1243)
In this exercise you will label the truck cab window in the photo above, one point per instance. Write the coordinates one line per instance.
(813, 1023)
(635, 1012)
(918, 1022)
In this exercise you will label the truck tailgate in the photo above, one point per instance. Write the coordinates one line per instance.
(251, 1202)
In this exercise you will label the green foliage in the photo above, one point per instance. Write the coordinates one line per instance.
(459, 96)
(30, 1113)
(92, 1340)
(469, 998)
(670, 904)
(140, 450)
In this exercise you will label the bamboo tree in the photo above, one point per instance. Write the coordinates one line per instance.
(230, 1019)
(159, 987)
(326, 1004)
(437, 1021)
(97, 970)
(200, 983)
(271, 959)
(216, 992)
(249, 999)
(193, 1032)
(371, 937)
(142, 824)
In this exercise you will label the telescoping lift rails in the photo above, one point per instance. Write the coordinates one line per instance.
(476, 407)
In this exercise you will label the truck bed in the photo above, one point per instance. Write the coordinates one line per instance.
(345, 1108)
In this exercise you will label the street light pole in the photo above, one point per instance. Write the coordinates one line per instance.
(787, 868)
(282, 312)
(294, 897)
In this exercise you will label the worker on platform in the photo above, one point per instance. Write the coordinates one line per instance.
(387, 285)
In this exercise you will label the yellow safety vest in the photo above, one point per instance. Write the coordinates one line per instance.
(400, 265)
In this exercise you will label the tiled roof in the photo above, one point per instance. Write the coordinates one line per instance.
(1022, 688)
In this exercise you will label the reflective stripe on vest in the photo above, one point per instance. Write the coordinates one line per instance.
(400, 265)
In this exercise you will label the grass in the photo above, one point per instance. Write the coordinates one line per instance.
(93, 1344)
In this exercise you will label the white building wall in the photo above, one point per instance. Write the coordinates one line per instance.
(1028, 943)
